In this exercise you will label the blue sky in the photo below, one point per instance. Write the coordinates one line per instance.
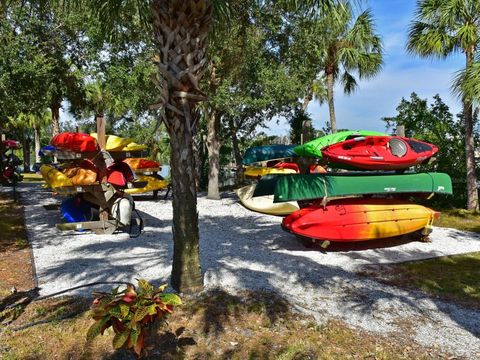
(401, 75)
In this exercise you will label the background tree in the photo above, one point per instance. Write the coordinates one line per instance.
(442, 27)
(435, 124)
(338, 45)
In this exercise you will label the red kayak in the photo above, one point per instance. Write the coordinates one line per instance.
(76, 142)
(359, 219)
(141, 163)
(287, 165)
(379, 153)
(11, 144)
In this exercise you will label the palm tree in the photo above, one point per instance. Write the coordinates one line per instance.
(349, 46)
(442, 27)
(180, 29)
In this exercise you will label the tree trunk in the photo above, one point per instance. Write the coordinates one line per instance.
(331, 105)
(26, 154)
(472, 191)
(55, 107)
(308, 97)
(236, 151)
(36, 132)
(213, 146)
(186, 271)
(180, 29)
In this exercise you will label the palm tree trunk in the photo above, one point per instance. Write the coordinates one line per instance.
(472, 191)
(55, 107)
(213, 146)
(331, 105)
(186, 271)
(180, 29)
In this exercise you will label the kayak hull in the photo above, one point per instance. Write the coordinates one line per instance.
(313, 148)
(317, 186)
(379, 153)
(259, 171)
(153, 184)
(359, 220)
(77, 142)
(264, 204)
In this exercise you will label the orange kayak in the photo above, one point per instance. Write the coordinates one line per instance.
(359, 219)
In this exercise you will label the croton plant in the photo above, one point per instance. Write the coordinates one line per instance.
(130, 313)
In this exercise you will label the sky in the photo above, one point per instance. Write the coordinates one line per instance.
(401, 75)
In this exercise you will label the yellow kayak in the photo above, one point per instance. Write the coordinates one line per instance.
(134, 147)
(152, 184)
(53, 177)
(264, 204)
(259, 171)
(114, 143)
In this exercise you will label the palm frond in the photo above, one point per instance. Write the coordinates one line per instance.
(349, 83)
(466, 84)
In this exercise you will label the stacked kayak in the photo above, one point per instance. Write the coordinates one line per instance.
(116, 143)
(359, 220)
(76, 142)
(83, 173)
(261, 161)
(146, 171)
(264, 204)
(314, 148)
(153, 183)
(379, 153)
(353, 205)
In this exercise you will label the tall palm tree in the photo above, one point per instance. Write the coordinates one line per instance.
(443, 27)
(180, 29)
(350, 45)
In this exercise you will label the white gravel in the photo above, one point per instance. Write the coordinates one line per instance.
(241, 249)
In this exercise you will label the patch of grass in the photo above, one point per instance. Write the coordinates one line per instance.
(15, 257)
(215, 325)
(455, 278)
(459, 219)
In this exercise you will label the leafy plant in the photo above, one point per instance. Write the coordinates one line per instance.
(130, 313)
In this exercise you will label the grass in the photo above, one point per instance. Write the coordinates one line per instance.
(459, 219)
(455, 278)
(15, 257)
(215, 325)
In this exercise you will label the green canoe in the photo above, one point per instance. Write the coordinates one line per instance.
(316, 186)
(312, 148)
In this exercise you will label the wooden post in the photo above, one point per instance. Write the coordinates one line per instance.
(101, 132)
(103, 214)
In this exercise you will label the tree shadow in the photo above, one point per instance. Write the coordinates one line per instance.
(240, 249)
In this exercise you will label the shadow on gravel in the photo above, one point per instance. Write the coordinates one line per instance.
(239, 249)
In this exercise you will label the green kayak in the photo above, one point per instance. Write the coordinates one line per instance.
(312, 148)
(316, 186)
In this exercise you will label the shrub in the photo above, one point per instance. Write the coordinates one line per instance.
(130, 313)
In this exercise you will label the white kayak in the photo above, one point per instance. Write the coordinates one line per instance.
(264, 204)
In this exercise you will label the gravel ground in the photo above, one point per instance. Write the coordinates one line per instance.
(241, 249)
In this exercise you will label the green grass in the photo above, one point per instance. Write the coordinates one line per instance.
(459, 219)
(455, 278)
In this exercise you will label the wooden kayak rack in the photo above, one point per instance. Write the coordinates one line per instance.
(102, 193)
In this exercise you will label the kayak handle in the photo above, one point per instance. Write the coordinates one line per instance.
(360, 138)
